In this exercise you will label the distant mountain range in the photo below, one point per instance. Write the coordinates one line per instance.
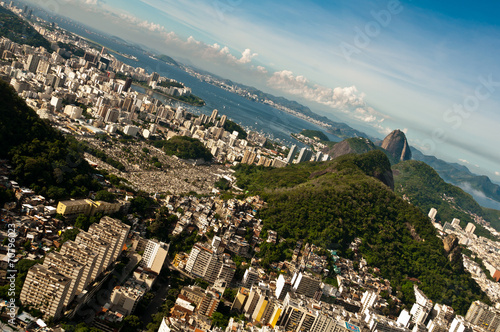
(460, 175)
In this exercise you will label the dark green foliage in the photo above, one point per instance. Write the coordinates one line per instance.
(182, 243)
(132, 323)
(104, 195)
(70, 234)
(41, 156)
(191, 99)
(425, 189)
(19, 31)
(140, 204)
(330, 204)
(6, 195)
(231, 126)
(314, 134)
(222, 184)
(219, 320)
(493, 216)
(169, 83)
(185, 147)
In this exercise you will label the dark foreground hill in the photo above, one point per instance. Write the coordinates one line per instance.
(41, 157)
(330, 204)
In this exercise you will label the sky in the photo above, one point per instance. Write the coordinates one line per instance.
(428, 68)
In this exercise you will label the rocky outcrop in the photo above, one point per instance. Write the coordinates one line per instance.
(451, 247)
(350, 145)
(397, 146)
(450, 242)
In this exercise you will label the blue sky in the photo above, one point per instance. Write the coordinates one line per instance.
(429, 68)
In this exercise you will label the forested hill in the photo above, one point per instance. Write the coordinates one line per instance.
(19, 31)
(332, 203)
(41, 157)
(426, 189)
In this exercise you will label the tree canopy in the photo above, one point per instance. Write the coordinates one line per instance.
(42, 158)
(330, 204)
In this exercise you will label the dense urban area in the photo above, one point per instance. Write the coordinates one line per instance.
(165, 223)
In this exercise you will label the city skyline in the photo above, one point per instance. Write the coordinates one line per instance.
(429, 70)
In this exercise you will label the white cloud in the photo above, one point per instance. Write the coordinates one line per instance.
(247, 56)
(497, 173)
(261, 69)
(347, 100)
(214, 52)
(464, 161)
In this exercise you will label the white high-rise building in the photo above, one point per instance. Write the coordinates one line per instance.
(432, 214)
(154, 255)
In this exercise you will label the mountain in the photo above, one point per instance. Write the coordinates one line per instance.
(357, 145)
(41, 157)
(330, 204)
(350, 145)
(167, 59)
(424, 188)
(460, 175)
(396, 144)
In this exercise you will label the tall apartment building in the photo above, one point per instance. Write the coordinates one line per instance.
(304, 155)
(154, 255)
(250, 277)
(68, 267)
(422, 307)
(32, 63)
(117, 226)
(253, 299)
(205, 263)
(305, 284)
(84, 256)
(208, 304)
(199, 259)
(283, 286)
(109, 236)
(459, 324)
(470, 228)
(295, 318)
(98, 246)
(46, 289)
(248, 157)
(291, 153)
(484, 316)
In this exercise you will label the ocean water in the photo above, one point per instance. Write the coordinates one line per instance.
(274, 123)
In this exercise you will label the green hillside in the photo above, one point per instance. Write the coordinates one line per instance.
(315, 134)
(41, 157)
(185, 147)
(426, 189)
(330, 204)
(458, 174)
(19, 31)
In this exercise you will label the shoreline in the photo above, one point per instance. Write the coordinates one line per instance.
(147, 89)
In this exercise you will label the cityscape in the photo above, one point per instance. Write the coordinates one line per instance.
(125, 209)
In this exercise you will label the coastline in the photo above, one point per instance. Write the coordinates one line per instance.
(150, 91)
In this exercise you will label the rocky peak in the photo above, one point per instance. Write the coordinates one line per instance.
(396, 144)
